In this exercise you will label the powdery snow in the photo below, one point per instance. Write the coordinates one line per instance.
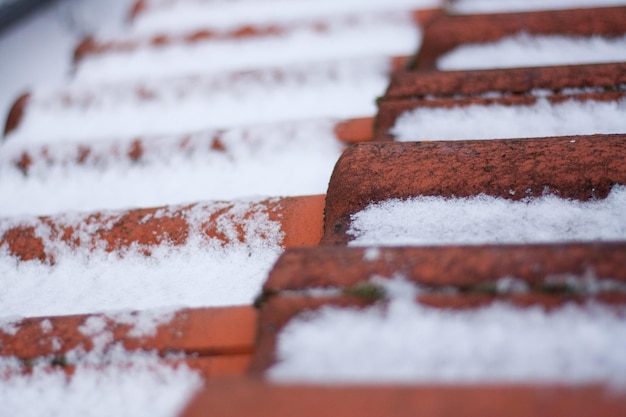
(272, 160)
(404, 342)
(541, 119)
(501, 6)
(197, 15)
(524, 50)
(136, 388)
(388, 34)
(484, 219)
(342, 88)
(106, 381)
(202, 272)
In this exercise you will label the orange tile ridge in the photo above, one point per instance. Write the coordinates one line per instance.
(204, 332)
(300, 219)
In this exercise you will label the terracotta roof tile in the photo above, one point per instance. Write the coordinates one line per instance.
(238, 344)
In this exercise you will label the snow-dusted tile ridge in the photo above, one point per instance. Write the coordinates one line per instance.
(196, 15)
(485, 219)
(541, 119)
(500, 6)
(405, 342)
(106, 381)
(388, 34)
(524, 50)
(204, 271)
(270, 160)
(342, 88)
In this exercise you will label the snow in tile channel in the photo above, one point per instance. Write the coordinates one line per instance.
(542, 119)
(405, 342)
(525, 50)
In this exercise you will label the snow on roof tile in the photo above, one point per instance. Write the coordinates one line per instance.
(450, 31)
(166, 64)
(581, 167)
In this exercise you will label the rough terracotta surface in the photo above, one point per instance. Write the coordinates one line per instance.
(442, 84)
(578, 167)
(545, 301)
(211, 332)
(255, 398)
(301, 221)
(446, 32)
(436, 267)
(16, 113)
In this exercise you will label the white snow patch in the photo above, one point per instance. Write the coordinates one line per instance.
(524, 50)
(404, 342)
(46, 325)
(10, 325)
(144, 323)
(500, 6)
(202, 272)
(387, 34)
(497, 121)
(371, 254)
(282, 159)
(121, 384)
(484, 219)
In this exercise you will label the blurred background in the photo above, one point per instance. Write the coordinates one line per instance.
(38, 37)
